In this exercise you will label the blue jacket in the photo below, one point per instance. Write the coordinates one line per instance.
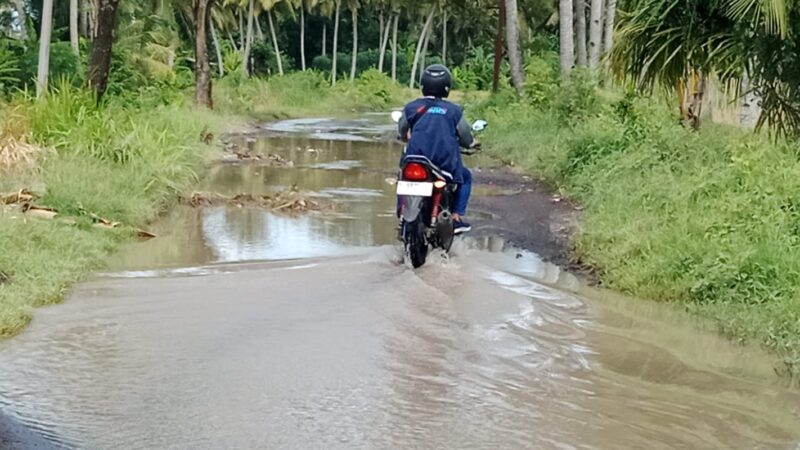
(437, 132)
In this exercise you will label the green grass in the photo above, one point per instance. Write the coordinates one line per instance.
(708, 220)
(120, 163)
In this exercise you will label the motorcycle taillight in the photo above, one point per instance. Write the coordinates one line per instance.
(415, 172)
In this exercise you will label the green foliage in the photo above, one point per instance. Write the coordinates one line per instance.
(709, 219)
(264, 61)
(64, 64)
(477, 70)
(377, 90)
(577, 97)
(9, 68)
(541, 77)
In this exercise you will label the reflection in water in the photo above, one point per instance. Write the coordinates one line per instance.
(489, 348)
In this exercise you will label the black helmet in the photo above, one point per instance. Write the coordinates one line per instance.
(436, 81)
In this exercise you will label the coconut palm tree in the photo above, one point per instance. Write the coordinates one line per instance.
(353, 4)
(73, 25)
(269, 5)
(580, 32)
(566, 39)
(420, 42)
(595, 33)
(679, 43)
(202, 20)
(44, 47)
(608, 34)
(335, 53)
(512, 40)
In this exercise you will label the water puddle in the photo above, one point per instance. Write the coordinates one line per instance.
(241, 327)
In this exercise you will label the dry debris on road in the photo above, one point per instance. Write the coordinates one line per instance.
(289, 201)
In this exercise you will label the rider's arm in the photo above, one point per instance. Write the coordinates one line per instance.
(403, 127)
(464, 131)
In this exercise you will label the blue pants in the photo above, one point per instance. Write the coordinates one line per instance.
(463, 193)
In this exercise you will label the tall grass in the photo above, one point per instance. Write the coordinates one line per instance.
(710, 220)
(115, 161)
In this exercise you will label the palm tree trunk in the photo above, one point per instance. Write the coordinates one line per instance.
(595, 34)
(275, 42)
(394, 46)
(233, 42)
(444, 38)
(354, 58)
(248, 42)
(202, 21)
(608, 38)
(93, 19)
(19, 6)
(100, 61)
(417, 53)
(498, 46)
(512, 40)
(259, 32)
(84, 19)
(750, 109)
(580, 32)
(302, 35)
(241, 31)
(73, 26)
(381, 25)
(424, 54)
(324, 39)
(336, 41)
(566, 39)
(220, 62)
(44, 47)
(384, 42)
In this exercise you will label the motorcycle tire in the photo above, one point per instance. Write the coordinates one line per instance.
(415, 243)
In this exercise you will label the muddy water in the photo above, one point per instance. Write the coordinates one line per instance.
(238, 328)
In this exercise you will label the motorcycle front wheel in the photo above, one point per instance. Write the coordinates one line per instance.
(415, 243)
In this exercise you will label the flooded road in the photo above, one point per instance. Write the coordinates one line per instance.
(241, 328)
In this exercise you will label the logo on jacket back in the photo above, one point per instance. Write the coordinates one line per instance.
(438, 110)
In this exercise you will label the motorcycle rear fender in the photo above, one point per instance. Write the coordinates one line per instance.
(412, 207)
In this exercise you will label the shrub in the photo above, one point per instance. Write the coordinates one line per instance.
(541, 78)
(64, 64)
(577, 97)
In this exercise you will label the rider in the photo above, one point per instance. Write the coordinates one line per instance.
(437, 129)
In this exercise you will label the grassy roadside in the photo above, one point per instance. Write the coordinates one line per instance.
(126, 161)
(709, 220)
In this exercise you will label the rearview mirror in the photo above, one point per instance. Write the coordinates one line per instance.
(396, 115)
(479, 125)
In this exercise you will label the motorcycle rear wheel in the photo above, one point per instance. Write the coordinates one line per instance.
(415, 243)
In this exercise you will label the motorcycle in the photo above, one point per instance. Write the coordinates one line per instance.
(426, 195)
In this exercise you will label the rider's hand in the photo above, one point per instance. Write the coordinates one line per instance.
(472, 148)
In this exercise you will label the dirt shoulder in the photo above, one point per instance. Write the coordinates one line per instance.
(13, 436)
(527, 214)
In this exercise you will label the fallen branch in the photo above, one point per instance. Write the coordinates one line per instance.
(23, 200)
(288, 201)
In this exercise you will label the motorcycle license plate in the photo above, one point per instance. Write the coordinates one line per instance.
(414, 189)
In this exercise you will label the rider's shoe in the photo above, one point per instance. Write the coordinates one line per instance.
(459, 226)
